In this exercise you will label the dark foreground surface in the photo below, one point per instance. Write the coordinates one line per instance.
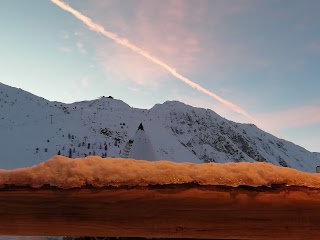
(175, 211)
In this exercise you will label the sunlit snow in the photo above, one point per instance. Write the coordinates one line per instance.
(63, 172)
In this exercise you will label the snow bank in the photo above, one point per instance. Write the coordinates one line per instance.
(63, 172)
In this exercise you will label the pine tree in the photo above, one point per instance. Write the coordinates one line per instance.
(59, 153)
(70, 153)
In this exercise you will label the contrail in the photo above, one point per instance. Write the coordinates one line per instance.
(126, 43)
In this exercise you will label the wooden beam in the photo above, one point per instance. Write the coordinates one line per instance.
(182, 211)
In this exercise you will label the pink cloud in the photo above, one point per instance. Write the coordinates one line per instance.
(163, 29)
(292, 118)
(165, 33)
(122, 64)
(162, 32)
(174, 31)
(273, 122)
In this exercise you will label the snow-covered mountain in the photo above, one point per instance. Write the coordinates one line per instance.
(33, 129)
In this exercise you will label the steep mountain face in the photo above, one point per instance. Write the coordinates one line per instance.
(215, 139)
(33, 129)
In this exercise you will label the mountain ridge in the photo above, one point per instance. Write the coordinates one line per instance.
(34, 129)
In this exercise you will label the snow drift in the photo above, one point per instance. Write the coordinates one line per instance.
(67, 173)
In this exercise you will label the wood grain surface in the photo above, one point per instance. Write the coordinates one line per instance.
(170, 211)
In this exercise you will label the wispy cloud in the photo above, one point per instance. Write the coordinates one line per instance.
(204, 102)
(130, 67)
(81, 48)
(65, 49)
(161, 32)
(134, 89)
(292, 118)
(164, 65)
(85, 82)
(176, 31)
(64, 34)
(200, 102)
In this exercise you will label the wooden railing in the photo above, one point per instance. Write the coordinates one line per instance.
(182, 211)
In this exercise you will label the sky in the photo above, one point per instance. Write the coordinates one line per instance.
(262, 56)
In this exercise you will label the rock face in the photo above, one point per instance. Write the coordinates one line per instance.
(34, 129)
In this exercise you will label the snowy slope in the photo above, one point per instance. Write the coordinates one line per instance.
(103, 126)
(215, 139)
(142, 147)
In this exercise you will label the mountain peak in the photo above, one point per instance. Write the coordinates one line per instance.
(178, 132)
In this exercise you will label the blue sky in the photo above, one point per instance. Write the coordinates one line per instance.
(263, 56)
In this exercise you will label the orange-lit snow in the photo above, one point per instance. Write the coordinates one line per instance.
(68, 173)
